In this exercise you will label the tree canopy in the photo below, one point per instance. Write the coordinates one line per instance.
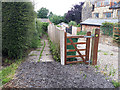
(57, 19)
(75, 13)
(43, 13)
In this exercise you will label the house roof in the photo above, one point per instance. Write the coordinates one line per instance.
(116, 6)
(64, 24)
(43, 19)
(97, 22)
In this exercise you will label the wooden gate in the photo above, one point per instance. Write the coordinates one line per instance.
(85, 58)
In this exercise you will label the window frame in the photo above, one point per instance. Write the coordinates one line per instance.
(107, 3)
(106, 14)
(117, 12)
(95, 15)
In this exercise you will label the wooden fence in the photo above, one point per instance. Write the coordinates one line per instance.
(116, 34)
(59, 38)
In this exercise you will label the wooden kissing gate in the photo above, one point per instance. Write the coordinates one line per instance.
(85, 58)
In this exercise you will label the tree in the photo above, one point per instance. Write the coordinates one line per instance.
(43, 13)
(50, 15)
(75, 13)
(72, 23)
(57, 19)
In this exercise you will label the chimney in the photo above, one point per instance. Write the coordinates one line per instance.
(111, 3)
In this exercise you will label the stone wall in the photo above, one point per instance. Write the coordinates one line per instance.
(101, 11)
(86, 10)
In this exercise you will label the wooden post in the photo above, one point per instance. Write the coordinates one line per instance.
(95, 48)
(87, 48)
(65, 48)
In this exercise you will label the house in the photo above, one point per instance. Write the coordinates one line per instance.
(102, 9)
(44, 20)
(116, 10)
(92, 23)
(87, 9)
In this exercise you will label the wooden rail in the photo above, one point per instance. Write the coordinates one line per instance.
(85, 58)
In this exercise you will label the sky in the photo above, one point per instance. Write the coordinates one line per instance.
(58, 7)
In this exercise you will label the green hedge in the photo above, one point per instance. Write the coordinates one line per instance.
(18, 28)
(107, 28)
(41, 27)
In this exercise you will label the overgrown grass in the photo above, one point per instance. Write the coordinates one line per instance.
(8, 72)
(54, 50)
(41, 51)
(116, 84)
(82, 33)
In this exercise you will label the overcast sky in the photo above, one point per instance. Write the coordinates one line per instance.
(58, 7)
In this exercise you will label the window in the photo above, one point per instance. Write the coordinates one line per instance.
(98, 4)
(106, 2)
(108, 15)
(118, 13)
(96, 15)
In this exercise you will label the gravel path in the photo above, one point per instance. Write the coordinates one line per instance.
(54, 75)
(107, 62)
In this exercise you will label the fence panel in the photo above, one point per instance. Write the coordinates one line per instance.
(57, 37)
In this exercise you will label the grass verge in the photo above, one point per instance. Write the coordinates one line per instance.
(41, 51)
(8, 72)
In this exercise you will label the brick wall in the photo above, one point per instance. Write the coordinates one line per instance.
(89, 28)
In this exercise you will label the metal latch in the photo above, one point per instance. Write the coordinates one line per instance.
(89, 36)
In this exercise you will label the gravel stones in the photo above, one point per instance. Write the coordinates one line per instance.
(55, 75)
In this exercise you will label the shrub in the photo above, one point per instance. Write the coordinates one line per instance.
(107, 28)
(78, 25)
(82, 33)
(44, 26)
(18, 28)
(41, 27)
(72, 23)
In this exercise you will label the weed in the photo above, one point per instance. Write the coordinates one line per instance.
(105, 73)
(111, 54)
(54, 50)
(110, 72)
(115, 83)
(47, 54)
(38, 50)
(42, 51)
(97, 72)
(106, 67)
(113, 72)
(99, 50)
(70, 64)
(105, 53)
(85, 76)
(8, 61)
(96, 67)
(38, 60)
(33, 54)
(80, 72)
